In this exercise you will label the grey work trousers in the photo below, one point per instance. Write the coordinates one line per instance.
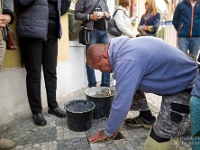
(169, 122)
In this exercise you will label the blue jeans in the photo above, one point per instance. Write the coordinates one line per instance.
(93, 37)
(191, 44)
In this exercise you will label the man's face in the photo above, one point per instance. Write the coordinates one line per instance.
(103, 64)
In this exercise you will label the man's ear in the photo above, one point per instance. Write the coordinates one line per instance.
(104, 56)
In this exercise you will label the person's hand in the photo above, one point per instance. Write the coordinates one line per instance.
(95, 16)
(142, 30)
(106, 14)
(4, 20)
(101, 136)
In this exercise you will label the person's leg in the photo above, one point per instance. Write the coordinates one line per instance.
(105, 78)
(145, 118)
(2, 52)
(194, 46)
(22, 52)
(33, 60)
(183, 44)
(6, 143)
(91, 38)
(170, 122)
(49, 62)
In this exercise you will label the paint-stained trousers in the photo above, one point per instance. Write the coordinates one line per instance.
(174, 112)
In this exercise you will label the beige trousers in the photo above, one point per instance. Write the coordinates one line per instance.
(2, 51)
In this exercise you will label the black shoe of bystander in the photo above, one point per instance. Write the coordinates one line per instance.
(39, 119)
(57, 112)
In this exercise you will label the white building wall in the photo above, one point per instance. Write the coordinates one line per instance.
(14, 102)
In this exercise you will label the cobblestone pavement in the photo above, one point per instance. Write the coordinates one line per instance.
(57, 136)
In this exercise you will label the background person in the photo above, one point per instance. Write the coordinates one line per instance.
(95, 25)
(186, 21)
(153, 74)
(39, 41)
(122, 19)
(150, 21)
(6, 16)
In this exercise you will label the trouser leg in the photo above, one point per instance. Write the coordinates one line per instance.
(33, 60)
(139, 102)
(49, 62)
(2, 52)
(22, 52)
(173, 113)
(91, 35)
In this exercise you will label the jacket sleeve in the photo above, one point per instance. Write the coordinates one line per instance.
(65, 6)
(24, 2)
(107, 9)
(8, 8)
(176, 17)
(79, 11)
(128, 76)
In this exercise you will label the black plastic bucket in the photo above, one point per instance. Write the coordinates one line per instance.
(103, 103)
(79, 114)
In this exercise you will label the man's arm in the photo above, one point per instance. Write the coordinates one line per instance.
(176, 17)
(128, 75)
(107, 13)
(79, 11)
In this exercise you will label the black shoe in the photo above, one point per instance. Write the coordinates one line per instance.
(57, 112)
(39, 119)
(140, 121)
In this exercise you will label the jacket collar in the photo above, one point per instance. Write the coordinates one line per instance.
(188, 1)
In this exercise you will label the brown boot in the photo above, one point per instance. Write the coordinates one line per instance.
(6, 143)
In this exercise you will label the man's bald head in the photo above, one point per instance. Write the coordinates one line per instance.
(95, 51)
(97, 57)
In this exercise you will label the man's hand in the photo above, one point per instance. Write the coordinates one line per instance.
(4, 20)
(95, 16)
(106, 14)
(101, 136)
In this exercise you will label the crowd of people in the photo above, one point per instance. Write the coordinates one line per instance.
(136, 68)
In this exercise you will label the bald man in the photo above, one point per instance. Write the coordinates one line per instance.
(150, 65)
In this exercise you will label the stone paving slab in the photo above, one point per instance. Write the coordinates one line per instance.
(56, 135)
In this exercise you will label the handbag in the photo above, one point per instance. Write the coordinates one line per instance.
(9, 37)
(82, 35)
(112, 27)
(82, 32)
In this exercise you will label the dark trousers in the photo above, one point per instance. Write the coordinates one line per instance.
(40, 53)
